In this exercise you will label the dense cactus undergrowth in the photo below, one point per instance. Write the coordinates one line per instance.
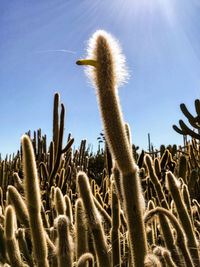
(140, 210)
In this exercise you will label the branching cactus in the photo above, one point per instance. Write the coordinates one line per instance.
(194, 121)
(108, 71)
(58, 133)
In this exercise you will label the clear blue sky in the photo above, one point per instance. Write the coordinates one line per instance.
(160, 39)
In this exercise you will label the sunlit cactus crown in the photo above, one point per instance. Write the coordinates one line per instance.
(105, 50)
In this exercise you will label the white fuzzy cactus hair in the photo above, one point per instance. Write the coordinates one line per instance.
(117, 60)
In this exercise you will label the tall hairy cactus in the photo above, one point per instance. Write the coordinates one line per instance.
(108, 71)
(11, 242)
(167, 233)
(115, 233)
(93, 220)
(19, 205)
(184, 217)
(64, 246)
(181, 238)
(81, 230)
(33, 203)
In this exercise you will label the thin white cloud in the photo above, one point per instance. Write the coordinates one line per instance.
(56, 50)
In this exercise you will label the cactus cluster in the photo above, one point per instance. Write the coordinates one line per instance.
(144, 211)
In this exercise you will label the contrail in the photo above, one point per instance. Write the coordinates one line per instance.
(56, 50)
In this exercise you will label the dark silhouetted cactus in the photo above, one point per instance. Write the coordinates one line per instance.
(194, 121)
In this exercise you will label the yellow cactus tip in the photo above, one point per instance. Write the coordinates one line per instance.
(79, 62)
(90, 62)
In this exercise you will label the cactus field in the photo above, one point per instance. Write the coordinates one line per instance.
(141, 210)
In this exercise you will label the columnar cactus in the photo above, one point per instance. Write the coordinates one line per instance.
(181, 240)
(115, 234)
(81, 229)
(19, 205)
(184, 217)
(33, 203)
(93, 221)
(108, 72)
(64, 243)
(11, 242)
